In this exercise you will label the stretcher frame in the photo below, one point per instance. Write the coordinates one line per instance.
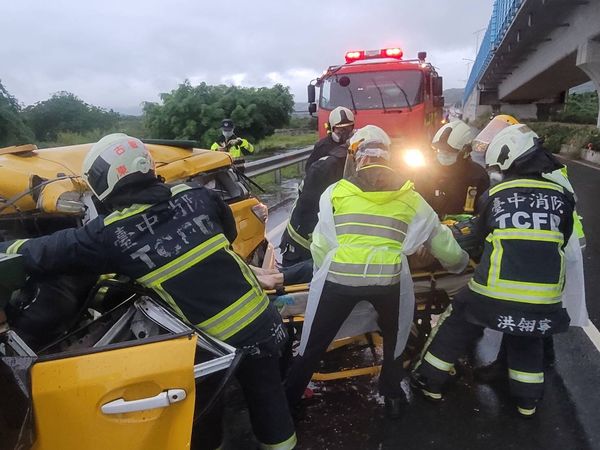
(436, 302)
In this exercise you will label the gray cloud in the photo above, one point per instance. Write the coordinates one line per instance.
(118, 53)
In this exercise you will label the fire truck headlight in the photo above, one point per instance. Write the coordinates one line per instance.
(414, 157)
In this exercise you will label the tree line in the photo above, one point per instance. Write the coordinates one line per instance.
(187, 112)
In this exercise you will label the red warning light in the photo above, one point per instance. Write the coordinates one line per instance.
(392, 53)
(355, 55)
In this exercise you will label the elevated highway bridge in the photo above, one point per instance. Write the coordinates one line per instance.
(533, 52)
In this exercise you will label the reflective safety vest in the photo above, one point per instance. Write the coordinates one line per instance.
(370, 229)
(523, 258)
(236, 151)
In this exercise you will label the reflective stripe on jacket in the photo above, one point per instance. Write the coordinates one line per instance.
(180, 248)
(370, 230)
(304, 216)
(374, 228)
(528, 222)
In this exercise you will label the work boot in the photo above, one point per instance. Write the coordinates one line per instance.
(395, 406)
(526, 407)
(429, 392)
(496, 371)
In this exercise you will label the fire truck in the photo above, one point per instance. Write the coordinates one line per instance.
(404, 97)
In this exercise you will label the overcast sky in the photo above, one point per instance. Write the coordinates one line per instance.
(119, 53)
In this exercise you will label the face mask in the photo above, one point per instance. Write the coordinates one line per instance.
(342, 135)
(496, 177)
(227, 134)
(479, 158)
(447, 158)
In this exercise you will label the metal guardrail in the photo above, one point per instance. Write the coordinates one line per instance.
(503, 15)
(277, 162)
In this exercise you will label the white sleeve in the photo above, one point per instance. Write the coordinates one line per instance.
(426, 229)
(574, 292)
(323, 237)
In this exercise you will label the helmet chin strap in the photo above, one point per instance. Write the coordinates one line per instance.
(496, 177)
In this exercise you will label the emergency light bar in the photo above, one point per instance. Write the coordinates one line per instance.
(357, 55)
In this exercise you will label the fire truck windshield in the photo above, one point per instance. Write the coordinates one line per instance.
(373, 90)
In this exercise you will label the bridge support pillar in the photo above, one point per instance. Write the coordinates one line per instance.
(588, 60)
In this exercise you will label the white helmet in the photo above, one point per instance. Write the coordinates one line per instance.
(113, 161)
(509, 145)
(453, 136)
(341, 117)
(372, 141)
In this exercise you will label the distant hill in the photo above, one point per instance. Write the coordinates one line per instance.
(300, 109)
(453, 96)
(301, 106)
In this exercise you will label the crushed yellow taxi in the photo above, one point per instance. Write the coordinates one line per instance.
(41, 190)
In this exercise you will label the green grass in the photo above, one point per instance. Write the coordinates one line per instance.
(267, 180)
(556, 134)
(286, 141)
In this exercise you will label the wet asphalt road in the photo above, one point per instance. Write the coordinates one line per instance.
(348, 414)
(586, 182)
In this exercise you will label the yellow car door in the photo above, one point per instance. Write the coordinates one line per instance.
(130, 396)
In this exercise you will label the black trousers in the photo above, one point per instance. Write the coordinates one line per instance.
(260, 380)
(335, 306)
(455, 333)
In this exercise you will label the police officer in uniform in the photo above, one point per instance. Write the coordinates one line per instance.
(176, 241)
(454, 182)
(526, 222)
(366, 224)
(229, 142)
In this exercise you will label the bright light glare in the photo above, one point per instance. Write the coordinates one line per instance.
(414, 157)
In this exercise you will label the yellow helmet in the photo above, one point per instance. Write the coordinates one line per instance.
(496, 125)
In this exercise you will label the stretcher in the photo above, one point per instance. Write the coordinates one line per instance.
(434, 289)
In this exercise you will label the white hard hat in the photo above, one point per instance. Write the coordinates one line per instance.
(341, 117)
(113, 160)
(369, 137)
(453, 136)
(509, 145)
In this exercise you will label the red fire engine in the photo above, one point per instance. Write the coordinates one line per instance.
(404, 97)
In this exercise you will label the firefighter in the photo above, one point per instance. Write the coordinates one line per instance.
(176, 241)
(340, 128)
(229, 142)
(455, 182)
(526, 222)
(367, 224)
(295, 242)
(485, 136)
(574, 296)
